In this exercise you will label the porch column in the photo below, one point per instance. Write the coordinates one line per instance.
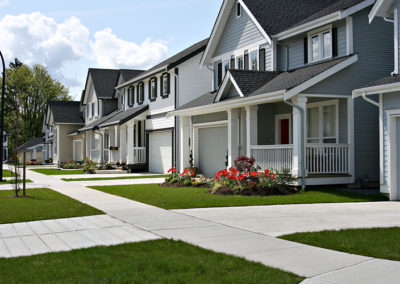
(101, 155)
(122, 145)
(129, 151)
(251, 128)
(350, 131)
(233, 135)
(297, 152)
(73, 150)
(184, 142)
(88, 145)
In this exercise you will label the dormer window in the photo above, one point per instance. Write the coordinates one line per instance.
(238, 10)
(153, 89)
(226, 67)
(131, 96)
(140, 93)
(320, 43)
(165, 85)
(239, 63)
(254, 60)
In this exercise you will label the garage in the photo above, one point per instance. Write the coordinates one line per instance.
(160, 152)
(213, 147)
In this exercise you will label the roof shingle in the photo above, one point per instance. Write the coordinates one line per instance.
(66, 112)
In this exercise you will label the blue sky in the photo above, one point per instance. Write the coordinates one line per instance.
(71, 36)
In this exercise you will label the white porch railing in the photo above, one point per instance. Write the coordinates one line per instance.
(139, 155)
(327, 158)
(273, 156)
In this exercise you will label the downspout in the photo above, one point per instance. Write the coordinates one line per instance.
(302, 142)
(175, 118)
(364, 95)
(287, 54)
(394, 21)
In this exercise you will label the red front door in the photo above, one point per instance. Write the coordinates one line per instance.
(285, 131)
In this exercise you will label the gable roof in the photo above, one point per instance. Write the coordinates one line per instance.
(37, 141)
(171, 62)
(124, 116)
(104, 82)
(95, 124)
(272, 82)
(276, 16)
(66, 112)
(128, 74)
(380, 9)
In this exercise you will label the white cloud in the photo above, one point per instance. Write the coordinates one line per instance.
(3, 2)
(35, 38)
(112, 52)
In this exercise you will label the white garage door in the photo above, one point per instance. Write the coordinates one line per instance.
(213, 147)
(160, 152)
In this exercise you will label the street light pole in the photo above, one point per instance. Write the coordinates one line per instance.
(3, 89)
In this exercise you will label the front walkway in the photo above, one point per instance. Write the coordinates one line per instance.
(322, 265)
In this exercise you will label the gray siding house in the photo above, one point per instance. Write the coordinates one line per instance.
(284, 72)
(383, 94)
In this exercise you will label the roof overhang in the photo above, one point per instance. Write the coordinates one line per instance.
(124, 120)
(380, 9)
(320, 77)
(225, 105)
(219, 25)
(339, 15)
(374, 90)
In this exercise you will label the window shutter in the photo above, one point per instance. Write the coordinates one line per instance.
(261, 59)
(169, 84)
(246, 61)
(305, 50)
(162, 85)
(334, 42)
(232, 64)
(219, 74)
(150, 90)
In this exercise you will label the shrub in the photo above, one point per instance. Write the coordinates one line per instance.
(89, 166)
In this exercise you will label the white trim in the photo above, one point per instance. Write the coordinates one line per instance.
(278, 130)
(238, 9)
(223, 106)
(320, 77)
(381, 89)
(350, 137)
(236, 86)
(321, 47)
(381, 140)
(349, 36)
(142, 77)
(354, 9)
(392, 115)
(239, 52)
(274, 56)
(210, 124)
(255, 21)
(396, 42)
(228, 77)
(325, 96)
(376, 11)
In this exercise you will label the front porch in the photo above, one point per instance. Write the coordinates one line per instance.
(271, 133)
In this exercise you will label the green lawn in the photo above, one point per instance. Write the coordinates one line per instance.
(41, 204)
(58, 172)
(184, 198)
(115, 178)
(7, 173)
(161, 261)
(379, 242)
(12, 181)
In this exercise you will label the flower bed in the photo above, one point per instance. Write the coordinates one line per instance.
(243, 179)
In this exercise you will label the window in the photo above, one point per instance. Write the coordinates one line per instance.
(106, 140)
(254, 61)
(140, 93)
(55, 141)
(322, 122)
(238, 10)
(239, 63)
(131, 96)
(226, 67)
(123, 97)
(321, 44)
(153, 89)
(92, 109)
(165, 85)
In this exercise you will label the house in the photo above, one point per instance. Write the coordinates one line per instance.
(384, 94)
(99, 104)
(33, 149)
(284, 72)
(148, 138)
(62, 118)
(5, 147)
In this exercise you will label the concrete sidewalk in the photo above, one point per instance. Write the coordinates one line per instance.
(38, 237)
(321, 265)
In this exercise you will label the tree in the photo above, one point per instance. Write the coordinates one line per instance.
(28, 92)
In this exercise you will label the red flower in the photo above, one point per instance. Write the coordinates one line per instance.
(192, 174)
(240, 177)
(254, 174)
(266, 172)
(273, 176)
(172, 170)
(246, 174)
(184, 172)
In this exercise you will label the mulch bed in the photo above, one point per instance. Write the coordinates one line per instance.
(181, 184)
(258, 191)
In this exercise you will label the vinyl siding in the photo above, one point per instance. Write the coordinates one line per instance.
(238, 33)
(266, 121)
(390, 101)
(212, 117)
(296, 48)
(375, 60)
(230, 93)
